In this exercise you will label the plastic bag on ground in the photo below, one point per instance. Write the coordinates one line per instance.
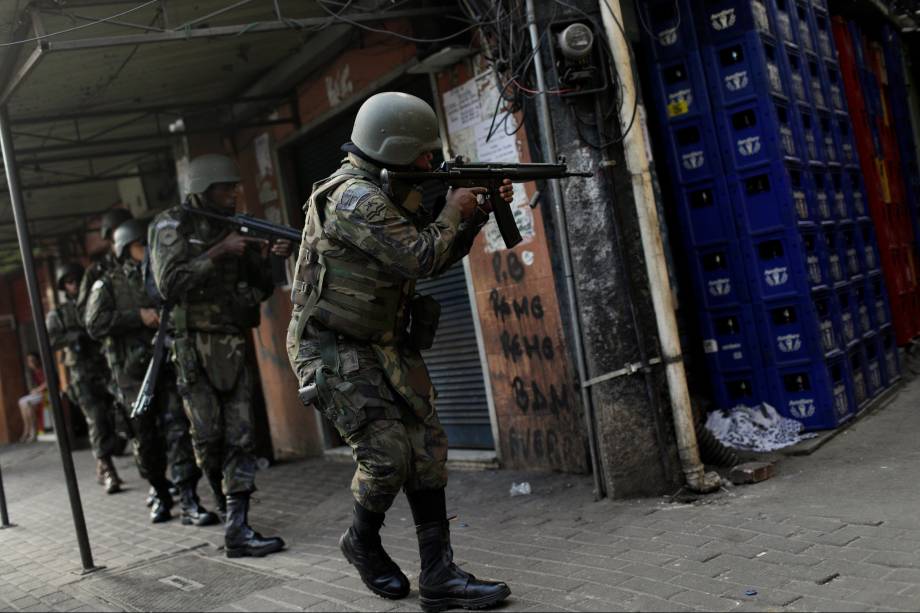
(758, 428)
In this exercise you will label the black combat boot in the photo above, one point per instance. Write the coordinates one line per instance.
(99, 478)
(361, 546)
(110, 478)
(442, 585)
(192, 511)
(162, 503)
(215, 482)
(239, 539)
(151, 497)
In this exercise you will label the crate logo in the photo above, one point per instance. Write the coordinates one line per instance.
(723, 19)
(789, 343)
(720, 287)
(803, 408)
(776, 276)
(668, 37)
(737, 81)
(683, 97)
(749, 146)
(694, 160)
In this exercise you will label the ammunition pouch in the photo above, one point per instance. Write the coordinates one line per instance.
(340, 401)
(426, 313)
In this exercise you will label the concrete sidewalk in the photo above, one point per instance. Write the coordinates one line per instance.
(837, 530)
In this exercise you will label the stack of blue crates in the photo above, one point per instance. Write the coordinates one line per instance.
(771, 202)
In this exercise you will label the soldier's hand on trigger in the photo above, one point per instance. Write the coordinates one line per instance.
(282, 248)
(150, 317)
(466, 199)
(234, 245)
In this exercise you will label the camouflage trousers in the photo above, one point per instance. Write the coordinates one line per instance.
(218, 403)
(98, 409)
(162, 439)
(393, 447)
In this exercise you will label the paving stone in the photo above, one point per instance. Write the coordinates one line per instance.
(704, 602)
(651, 587)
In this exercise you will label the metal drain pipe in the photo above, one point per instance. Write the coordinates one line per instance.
(636, 149)
(549, 154)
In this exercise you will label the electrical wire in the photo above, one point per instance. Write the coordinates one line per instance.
(79, 27)
(357, 24)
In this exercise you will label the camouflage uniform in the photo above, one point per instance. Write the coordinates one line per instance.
(365, 252)
(113, 316)
(216, 303)
(87, 373)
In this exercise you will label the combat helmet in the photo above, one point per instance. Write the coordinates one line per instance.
(206, 170)
(63, 271)
(131, 231)
(395, 128)
(111, 220)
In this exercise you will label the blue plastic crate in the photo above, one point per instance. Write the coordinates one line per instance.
(739, 389)
(867, 242)
(680, 88)
(803, 22)
(824, 35)
(828, 315)
(730, 338)
(755, 134)
(790, 331)
(849, 249)
(809, 136)
(891, 362)
(819, 4)
(816, 262)
(783, 15)
(821, 203)
(721, 20)
(706, 209)
(837, 196)
(815, 393)
(846, 307)
(833, 83)
(828, 145)
(844, 134)
(719, 275)
(669, 28)
(694, 150)
(769, 199)
(874, 365)
(828, 234)
(776, 265)
(816, 81)
(796, 76)
(856, 360)
(855, 193)
(864, 306)
(744, 68)
(877, 294)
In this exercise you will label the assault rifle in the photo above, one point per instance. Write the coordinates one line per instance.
(144, 399)
(460, 173)
(254, 227)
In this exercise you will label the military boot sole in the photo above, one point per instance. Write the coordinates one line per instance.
(161, 518)
(113, 488)
(346, 551)
(253, 552)
(434, 605)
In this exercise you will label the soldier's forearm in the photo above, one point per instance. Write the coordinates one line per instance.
(185, 276)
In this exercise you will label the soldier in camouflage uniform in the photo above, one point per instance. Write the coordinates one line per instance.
(356, 333)
(87, 374)
(124, 317)
(217, 280)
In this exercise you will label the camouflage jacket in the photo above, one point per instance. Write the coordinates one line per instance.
(98, 268)
(210, 296)
(361, 225)
(113, 317)
(82, 355)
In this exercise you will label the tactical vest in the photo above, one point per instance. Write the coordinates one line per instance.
(225, 302)
(341, 288)
(129, 353)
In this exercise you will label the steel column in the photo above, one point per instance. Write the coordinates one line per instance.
(44, 345)
(4, 515)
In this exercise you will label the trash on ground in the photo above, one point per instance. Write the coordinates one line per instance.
(758, 428)
(750, 593)
(520, 489)
(752, 472)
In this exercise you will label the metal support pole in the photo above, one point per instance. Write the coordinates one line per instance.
(4, 514)
(44, 345)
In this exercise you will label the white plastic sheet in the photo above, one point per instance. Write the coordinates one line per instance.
(758, 428)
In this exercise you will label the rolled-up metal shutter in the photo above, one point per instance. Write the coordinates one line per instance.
(454, 364)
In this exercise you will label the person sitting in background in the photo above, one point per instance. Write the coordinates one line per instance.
(32, 402)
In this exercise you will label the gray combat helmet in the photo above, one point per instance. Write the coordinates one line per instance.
(112, 220)
(395, 128)
(65, 271)
(206, 170)
(131, 231)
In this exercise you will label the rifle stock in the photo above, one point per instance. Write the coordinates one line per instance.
(144, 399)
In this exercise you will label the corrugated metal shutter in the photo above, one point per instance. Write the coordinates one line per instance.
(454, 364)
(453, 361)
